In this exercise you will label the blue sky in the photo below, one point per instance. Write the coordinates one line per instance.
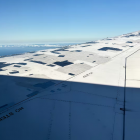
(23, 21)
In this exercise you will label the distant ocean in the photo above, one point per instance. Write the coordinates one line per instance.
(20, 49)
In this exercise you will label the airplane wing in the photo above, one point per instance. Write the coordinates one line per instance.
(87, 91)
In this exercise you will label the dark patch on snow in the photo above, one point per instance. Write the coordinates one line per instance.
(55, 52)
(61, 56)
(13, 72)
(71, 74)
(21, 63)
(63, 49)
(17, 66)
(93, 42)
(51, 65)
(28, 59)
(129, 42)
(109, 48)
(86, 46)
(63, 63)
(131, 35)
(78, 50)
